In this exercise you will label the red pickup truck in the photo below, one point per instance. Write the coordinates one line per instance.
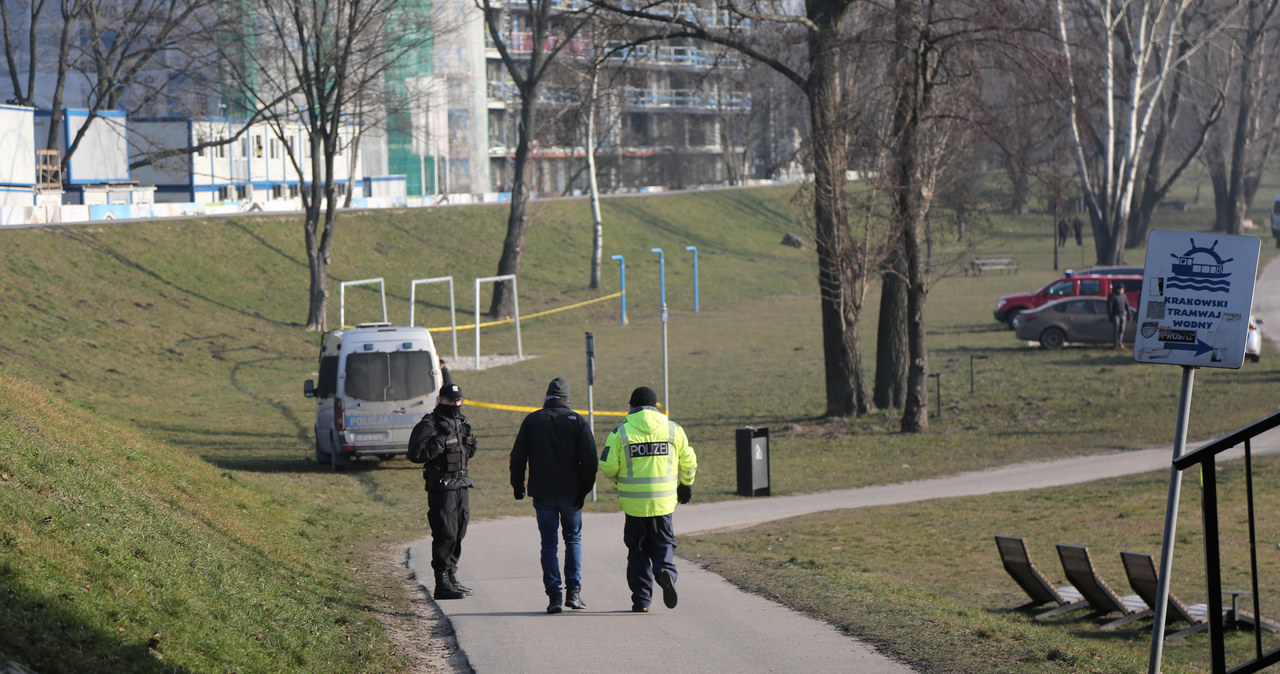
(1070, 285)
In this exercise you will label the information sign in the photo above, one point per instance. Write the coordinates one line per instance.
(1197, 292)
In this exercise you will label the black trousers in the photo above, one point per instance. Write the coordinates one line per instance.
(447, 513)
(651, 547)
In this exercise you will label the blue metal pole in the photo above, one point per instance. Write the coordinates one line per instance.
(622, 280)
(695, 275)
(662, 274)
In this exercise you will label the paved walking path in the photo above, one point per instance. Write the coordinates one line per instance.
(504, 627)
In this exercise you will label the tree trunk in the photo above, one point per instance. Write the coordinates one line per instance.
(891, 336)
(1019, 187)
(597, 227)
(319, 240)
(1242, 131)
(503, 304)
(846, 390)
(910, 204)
(1216, 166)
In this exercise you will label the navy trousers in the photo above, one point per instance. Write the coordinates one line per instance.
(651, 547)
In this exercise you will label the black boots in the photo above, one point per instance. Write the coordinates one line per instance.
(572, 600)
(446, 589)
(668, 588)
(453, 579)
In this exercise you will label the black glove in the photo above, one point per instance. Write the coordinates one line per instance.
(518, 492)
(684, 493)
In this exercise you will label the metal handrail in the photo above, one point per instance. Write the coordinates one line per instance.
(1205, 457)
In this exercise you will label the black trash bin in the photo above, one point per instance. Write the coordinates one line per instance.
(753, 461)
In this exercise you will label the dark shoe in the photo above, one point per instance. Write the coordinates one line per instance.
(445, 589)
(453, 580)
(668, 588)
(554, 606)
(636, 608)
(573, 599)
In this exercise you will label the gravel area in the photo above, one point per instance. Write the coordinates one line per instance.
(464, 363)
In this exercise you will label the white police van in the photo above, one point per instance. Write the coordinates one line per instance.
(375, 383)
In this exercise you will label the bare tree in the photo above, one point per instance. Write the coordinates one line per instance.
(1240, 145)
(1122, 55)
(316, 65)
(822, 68)
(550, 31)
(125, 53)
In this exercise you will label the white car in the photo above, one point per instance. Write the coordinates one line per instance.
(1253, 341)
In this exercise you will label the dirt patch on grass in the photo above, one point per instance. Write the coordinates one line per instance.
(417, 629)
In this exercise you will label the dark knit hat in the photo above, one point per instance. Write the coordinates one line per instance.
(450, 391)
(643, 397)
(558, 388)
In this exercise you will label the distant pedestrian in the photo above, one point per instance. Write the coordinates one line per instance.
(556, 444)
(1117, 313)
(444, 442)
(1079, 230)
(1064, 230)
(650, 459)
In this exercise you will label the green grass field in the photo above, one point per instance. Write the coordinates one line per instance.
(156, 444)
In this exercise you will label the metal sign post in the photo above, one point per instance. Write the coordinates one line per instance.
(622, 280)
(695, 276)
(1194, 312)
(662, 291)
(591, 382)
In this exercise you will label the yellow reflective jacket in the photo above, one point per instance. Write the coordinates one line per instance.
(647, 455)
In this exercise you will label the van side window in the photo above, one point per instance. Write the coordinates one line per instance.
(328, 384)
(1090, 286)
(389, 376)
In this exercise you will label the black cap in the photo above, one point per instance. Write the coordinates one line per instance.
(450, 391)
(558, 388)
(643, 397)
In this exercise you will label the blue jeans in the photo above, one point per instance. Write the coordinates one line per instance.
(556, 514)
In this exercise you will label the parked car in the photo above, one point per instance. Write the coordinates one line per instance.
(1070, 285)
(1253, 341)
(1072, 319)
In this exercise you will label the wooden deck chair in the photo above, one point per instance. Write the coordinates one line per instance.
(1013, 553)
(1141, 569)
(1100, 597)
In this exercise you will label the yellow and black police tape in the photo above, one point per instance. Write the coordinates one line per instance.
(524, 408)
(471, 326)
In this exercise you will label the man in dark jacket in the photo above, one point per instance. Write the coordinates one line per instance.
(444, 442)
(558, 447)
(1117, 312)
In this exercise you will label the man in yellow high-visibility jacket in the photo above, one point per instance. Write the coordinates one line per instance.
(650, 459)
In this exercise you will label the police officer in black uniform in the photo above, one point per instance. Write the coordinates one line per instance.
(444, 442)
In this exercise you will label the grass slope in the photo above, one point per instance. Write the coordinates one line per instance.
(188, 335)
(120, 553)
